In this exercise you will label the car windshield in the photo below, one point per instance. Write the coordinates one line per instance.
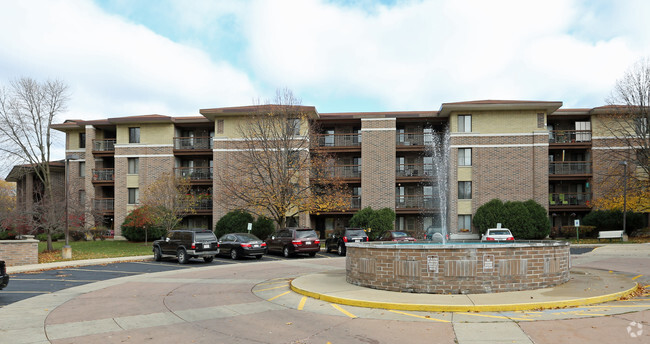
(245, 237)
(306, 233)
(355, 232)
(500, 232)
(206, 236)
(399, 234)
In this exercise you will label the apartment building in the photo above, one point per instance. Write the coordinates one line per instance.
(511, 150)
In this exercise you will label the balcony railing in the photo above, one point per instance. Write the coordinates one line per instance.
(194, 173)
(106, 145)
(569, 198)
(569, 167)
(199, 203)
(339, 171)
(414, 170)
(103, 174)
(338, 140)
(569, 136)
(193, 142)
(413, 139)
(104, 204)
(355, 202)
(416, 201)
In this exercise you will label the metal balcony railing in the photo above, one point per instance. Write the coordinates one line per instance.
(339, 171)
(416, 201)
(414, 170)
(413, 139)
(338, 140)
(203, 142)
(103, 174)
(103, 204)
(106, 145)
(569, 198)
(355, 202)
(569, 167)
(569, 136)
(194, 173)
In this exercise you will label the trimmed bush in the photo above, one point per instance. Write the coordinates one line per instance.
(376, 222)
(138, 226)
(488, 215)
(235, 221)
(612, 220)
(263, 227)
(540, 220)
(526, 220)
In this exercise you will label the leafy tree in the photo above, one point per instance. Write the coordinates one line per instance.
(263, 227)
(140, 225)
(7, 202)
(235, 221)
(169, 200)
(375, 222)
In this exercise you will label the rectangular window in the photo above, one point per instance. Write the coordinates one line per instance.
(82, 169)
(464, 123)
(293, 126)
(134, 135)
(82, 140)
(464, 190)
(464, 157)
(464, 223)
(134, 165)
(134, 196)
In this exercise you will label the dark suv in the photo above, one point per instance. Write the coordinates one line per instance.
(186, 244)
(290, 241)
(4, 278)
(336, 242)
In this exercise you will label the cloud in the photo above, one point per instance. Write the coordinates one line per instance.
(114, 67)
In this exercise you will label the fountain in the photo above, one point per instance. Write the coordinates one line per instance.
(458, 267)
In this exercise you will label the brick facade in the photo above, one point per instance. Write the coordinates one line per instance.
(378, 161)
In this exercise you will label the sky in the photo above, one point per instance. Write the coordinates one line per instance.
(175, 57)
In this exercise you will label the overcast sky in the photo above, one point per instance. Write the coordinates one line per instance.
(174, 57)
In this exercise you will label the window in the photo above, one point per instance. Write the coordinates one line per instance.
(293, 126)
(82, 140)
(134, 135)
(464, 190)
(329, 137)
(464, 157)
(465, 123)
(82, 197)
(134, 196)
(82, 169)
(134, 165)
(464, 223)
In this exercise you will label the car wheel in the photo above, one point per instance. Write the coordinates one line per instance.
(341, 250)
(208, 259)
(182, 256)
(157, 256)
(234, 254)
(285, 252)
(327, 248)
(258, 256)
(312, 254)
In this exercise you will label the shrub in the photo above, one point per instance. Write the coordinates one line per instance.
(526, 220)
(612, 220)
(377, 222)
(138, 226)
(263, 227)
(235, 221)
(539, 218)
(7, 235)
(488, 215)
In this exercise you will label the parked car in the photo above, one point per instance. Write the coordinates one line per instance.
(239, 245)
(290, 241)
(435, 234)
(396, 236)
(186, 244)
(4, 278)
(497, 234)
(336, 242)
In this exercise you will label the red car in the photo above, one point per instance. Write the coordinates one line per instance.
(290, 241)
(396, 236)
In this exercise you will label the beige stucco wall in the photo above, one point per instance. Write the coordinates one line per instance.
(155, 133)
(465, 174)
(495, 122)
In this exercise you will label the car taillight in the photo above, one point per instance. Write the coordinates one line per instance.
(193, 246)
(345, 239)
(245, 245)
(510, 238)
(296, 242)
(263, 244)
(317, 242)
(366, 239)
(489, 239)
(394, 239)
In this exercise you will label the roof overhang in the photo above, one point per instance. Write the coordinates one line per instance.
(211, 114)
(499, 105)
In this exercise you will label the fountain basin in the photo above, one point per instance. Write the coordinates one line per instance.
(458, 268)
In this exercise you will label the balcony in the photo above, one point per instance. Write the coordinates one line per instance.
(197, 175)
(201, 205)
(103, 176)
(569, 168)
(104, 147)
(340, 141)
(193, 145)
(339, 171)
(414, 170)
(104, 205)
(413, 139)
(570, 137)
(569, 200)
(416, 203)
(355, 202)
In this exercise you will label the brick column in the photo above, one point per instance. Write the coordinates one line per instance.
(378, 161)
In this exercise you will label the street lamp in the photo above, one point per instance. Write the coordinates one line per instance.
(66, 252)
(624, 163)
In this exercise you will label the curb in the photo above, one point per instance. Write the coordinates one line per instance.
(469, 308)
(74, 263)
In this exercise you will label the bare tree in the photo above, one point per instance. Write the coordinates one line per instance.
(170, 199)
(269, 174)
(27, 110)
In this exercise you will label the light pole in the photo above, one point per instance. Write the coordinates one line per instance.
(66, 252)
(624, 163)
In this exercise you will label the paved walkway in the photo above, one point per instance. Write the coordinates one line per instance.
(253, 303)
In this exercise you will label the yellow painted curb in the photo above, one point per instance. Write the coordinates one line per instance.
(468, 308)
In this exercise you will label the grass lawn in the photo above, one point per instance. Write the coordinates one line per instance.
(93, 250)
